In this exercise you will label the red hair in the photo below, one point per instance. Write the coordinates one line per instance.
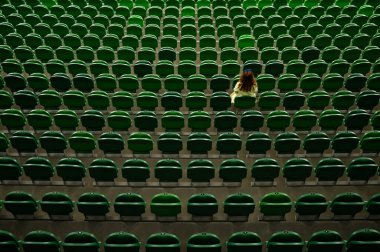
(247, 81)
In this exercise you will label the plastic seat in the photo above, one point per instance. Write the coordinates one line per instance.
(329, 169)
(367, 99)
(344, 142)
(147, 100)
(252, 120)
(82, 142)
(311, 204)
(244, 240)
(121, 240)
(225, 121)
(135, 170)
(258, 143)
(355, 82)
(275, 204)
(199, 121)
(53, 142)
(162, 241)
(80, 240)
(20, 203)
(233, 170)
(169, 143)
(297, 169)
(66, 119)
(13, 119)
(111, 143)
(92, 120)
(287, 143)
(142, 67)
(326, 239)
(204, 242)
(343, 100)
(285, 240)
(140, 142)
(39, 119)
(26, 99)
(93, 204)
(24, 141)
(361, 168)
(146, 120)
(199, 143)
(265, 170)
(363, 239)
(269, 100)
(316, 142)
(372, 206)
(14, 81)
(278, 120)
(293, 100)
(228, 143)
(200, 170)
(304, 120)
(330, 119)
(10, 169)
(165, 205)
(196, 100)
(55, 204)
(347, 204)
(202, 204)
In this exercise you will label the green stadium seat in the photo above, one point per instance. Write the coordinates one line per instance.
(92, 120)
(14, 81)
(202, 204)
(39, 119)
(53, 142)
(356, 119)
(275, 204)
(169, 143)
(372, 206)
(258, 143)
(225, 121)
(244, 240)
(140, 142)
(55, 204)
(287, 240)
(82, 142)
(13, 119)
(329, 169)
(6, 100)
(374, 121)
(252, 120)
(343, 100)
(355, 82)
(129, 204)
(367, 99)
(344, 142)
(25, 99)
(24, 141)
(111, 143)
(200, 170)
(228, 143)
(278, 120)
(20, 203)
(168, 170)
(119, 120)
(80, 240)
(265, 170)
(330, 119)
(361, 168)
(203, 242)
(163, 241)
(146, 120)
(165, 205)
(304, 120)
(10, 169)
(232, 170)
(316, 142)
(310, 204)
(40, 240)
(66, 119)
(367, 239)
(93, 204)
(199, 143)
(325, 239)
(347, 204)
(287, 143)
(297, 169)
(103, 170)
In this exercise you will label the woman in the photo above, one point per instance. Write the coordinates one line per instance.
(246, 86)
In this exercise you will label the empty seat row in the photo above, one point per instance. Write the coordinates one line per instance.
(198, 170)
(197, 121)
(197, 143)
(361, 240)
(202, 204)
